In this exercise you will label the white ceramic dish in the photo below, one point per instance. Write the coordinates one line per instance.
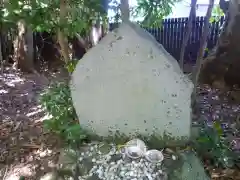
(137, 143)
(134, 152)
(154, 156)
(135, 148)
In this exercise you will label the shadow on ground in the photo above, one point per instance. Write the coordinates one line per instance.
(25, 150)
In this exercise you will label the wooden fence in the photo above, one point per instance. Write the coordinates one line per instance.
(171, 35)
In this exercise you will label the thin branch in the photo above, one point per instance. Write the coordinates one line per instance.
(192, 16)
(203, 42)
(61, 38)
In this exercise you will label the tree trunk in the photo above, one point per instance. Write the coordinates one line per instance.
(96, 32)
(1, 56)
(23, 52)
(100, 27)
(192, 17)
(29, 47)
(125, 11)
(221, 68)
(63, 42)
(1, 53)
(203, 42)
(105, 20)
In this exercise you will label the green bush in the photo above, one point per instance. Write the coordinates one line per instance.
(71, 65)
(56, 100)
(213, 145)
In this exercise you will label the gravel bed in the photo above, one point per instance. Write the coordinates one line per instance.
(114, 165)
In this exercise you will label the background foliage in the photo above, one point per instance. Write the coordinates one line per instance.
(44, 15)
(213, 145)
(63, 121)
(153, 11)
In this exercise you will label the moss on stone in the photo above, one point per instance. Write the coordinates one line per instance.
(153, 141)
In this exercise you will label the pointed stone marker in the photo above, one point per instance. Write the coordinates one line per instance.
(129, 84)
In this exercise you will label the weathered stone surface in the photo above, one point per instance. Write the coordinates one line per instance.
(129, 84)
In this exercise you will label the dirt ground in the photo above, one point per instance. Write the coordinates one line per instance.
(25, 150)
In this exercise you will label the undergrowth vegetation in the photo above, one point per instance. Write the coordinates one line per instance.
(212, 144)
(63, 121)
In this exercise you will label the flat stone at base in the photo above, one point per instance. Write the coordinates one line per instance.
(66, 160)
(191, 168)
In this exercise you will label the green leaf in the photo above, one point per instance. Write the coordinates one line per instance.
(39, 28)
(218, 128)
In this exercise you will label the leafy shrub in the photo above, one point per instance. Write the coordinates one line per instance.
(217, 13)
(213, 145)
(56, 100)
(71, 65)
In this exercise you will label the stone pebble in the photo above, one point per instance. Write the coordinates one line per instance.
(105, 168)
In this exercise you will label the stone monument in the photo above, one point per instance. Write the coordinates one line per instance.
(129, 84)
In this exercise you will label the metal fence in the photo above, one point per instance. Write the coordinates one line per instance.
(171, 34)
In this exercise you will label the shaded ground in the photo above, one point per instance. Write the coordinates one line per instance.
(216, 106)
(26, 150)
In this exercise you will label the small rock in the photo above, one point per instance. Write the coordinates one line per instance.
(192, 168)
(174, 157)
(50, 176)
(131, 174)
